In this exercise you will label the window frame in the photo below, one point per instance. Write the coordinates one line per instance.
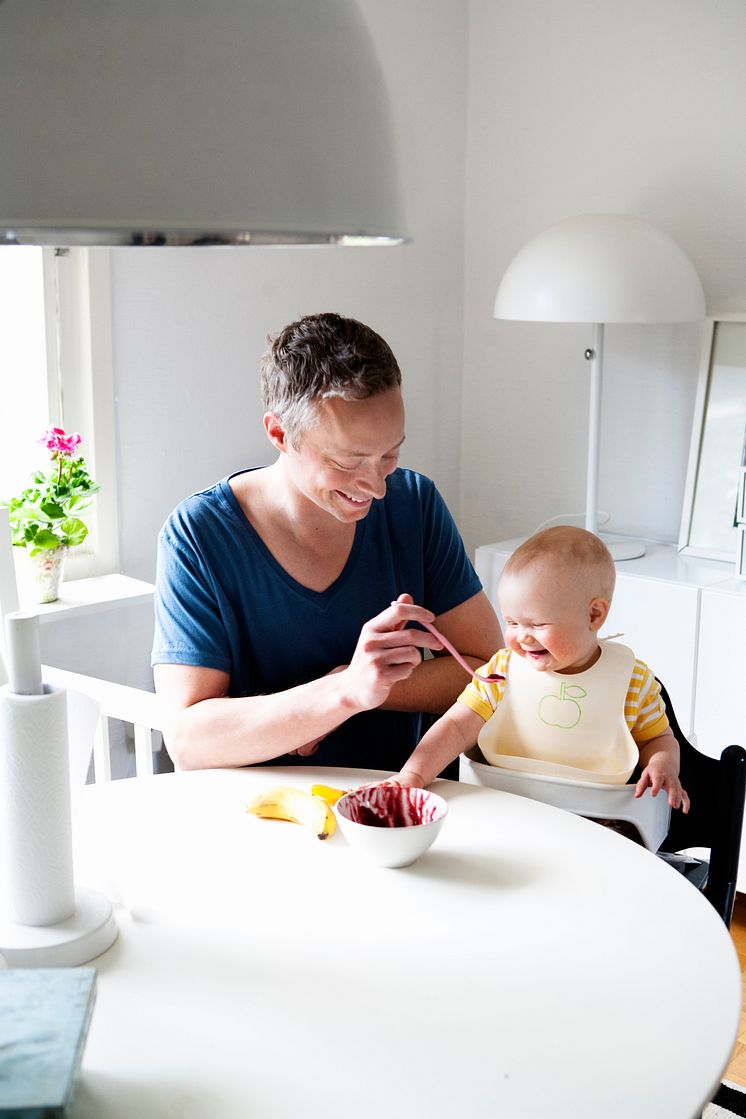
(80, 384)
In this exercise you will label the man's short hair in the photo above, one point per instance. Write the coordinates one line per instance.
(319, 357)
(569, 547)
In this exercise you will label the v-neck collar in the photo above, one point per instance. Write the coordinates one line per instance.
(322, 599)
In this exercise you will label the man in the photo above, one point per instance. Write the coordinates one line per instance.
(285, 594)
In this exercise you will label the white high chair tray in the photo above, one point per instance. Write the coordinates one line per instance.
(650, 815)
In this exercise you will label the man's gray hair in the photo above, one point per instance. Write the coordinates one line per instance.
(319, 357)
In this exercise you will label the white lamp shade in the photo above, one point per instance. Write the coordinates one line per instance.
(193, 121)
(601, 268)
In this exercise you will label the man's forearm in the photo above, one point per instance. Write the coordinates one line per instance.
(205, 728)
(432, 687)
(227, 731)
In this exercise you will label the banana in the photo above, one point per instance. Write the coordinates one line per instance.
(285, 802)
(327, 793)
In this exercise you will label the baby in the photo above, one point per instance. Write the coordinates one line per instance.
(568, 705)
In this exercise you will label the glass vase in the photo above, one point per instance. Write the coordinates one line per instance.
(46, 573)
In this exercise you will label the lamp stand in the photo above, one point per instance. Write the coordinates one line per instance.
(620, 550)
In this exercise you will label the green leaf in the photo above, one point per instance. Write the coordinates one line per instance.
(74, 531)
(46, 513)
(29, 511)
(79, 502)
(46, 539)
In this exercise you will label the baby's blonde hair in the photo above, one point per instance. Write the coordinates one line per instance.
(576, 550)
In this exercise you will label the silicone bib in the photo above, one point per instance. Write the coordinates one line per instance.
(565, 725)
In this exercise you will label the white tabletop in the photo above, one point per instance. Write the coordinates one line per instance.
(531, 964)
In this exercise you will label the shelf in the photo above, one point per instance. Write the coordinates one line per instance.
(661, 561)
(87, 596)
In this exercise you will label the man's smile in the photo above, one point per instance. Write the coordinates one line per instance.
(355, 500)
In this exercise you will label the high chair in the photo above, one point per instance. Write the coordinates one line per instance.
(716, 788)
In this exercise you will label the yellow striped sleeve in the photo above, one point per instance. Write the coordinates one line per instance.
(483, 698)
(644, 709)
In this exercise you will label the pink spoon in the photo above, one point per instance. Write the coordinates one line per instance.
(492, 678)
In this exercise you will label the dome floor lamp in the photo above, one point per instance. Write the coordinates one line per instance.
(598, 269)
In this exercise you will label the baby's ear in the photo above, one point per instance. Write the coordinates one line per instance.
(599, 612)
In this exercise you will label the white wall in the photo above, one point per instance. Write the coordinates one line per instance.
(510, 114)
(190, 324)
(594, 107)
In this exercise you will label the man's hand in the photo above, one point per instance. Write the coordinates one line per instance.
(387, 652)
(308, 748)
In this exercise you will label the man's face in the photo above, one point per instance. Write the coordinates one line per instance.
(342, 462)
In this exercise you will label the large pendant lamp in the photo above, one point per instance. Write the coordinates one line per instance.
(185, 122)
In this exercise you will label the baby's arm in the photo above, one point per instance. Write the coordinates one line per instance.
(454, 732)
(660, 760)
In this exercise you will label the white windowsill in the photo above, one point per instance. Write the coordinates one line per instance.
(87, 596)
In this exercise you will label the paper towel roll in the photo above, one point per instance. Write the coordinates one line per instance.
(35, 814)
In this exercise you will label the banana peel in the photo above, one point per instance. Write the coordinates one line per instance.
(285, 802)
(327, 793)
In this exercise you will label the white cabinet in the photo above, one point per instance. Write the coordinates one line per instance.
(686, 618)
(658, 619)
(720, 704)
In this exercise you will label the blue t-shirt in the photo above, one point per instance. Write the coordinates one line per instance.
(223, 601)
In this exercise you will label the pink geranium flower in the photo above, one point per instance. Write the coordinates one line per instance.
(56, 441)
(46, 515)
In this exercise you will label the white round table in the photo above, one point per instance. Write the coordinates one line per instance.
(531, 964)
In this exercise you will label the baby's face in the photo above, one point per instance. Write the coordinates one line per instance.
(550, 620)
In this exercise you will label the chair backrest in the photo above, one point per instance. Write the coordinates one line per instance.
(717, 789)
(83, 721)
(101, 700)
(91, 702)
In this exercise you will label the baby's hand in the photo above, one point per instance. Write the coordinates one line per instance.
(406, 779)
(662, 773)
(409, 779)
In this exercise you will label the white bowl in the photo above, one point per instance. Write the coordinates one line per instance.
(389, 824)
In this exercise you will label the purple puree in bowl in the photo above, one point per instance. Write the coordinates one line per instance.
(390, 806)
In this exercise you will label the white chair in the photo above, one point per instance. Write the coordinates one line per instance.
(89, 698)
(91, 702)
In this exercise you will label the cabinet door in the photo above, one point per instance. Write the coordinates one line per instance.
(658, 620)
(720, 711)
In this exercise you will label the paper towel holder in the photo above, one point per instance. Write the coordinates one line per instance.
(78, 940)
(77, 923)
